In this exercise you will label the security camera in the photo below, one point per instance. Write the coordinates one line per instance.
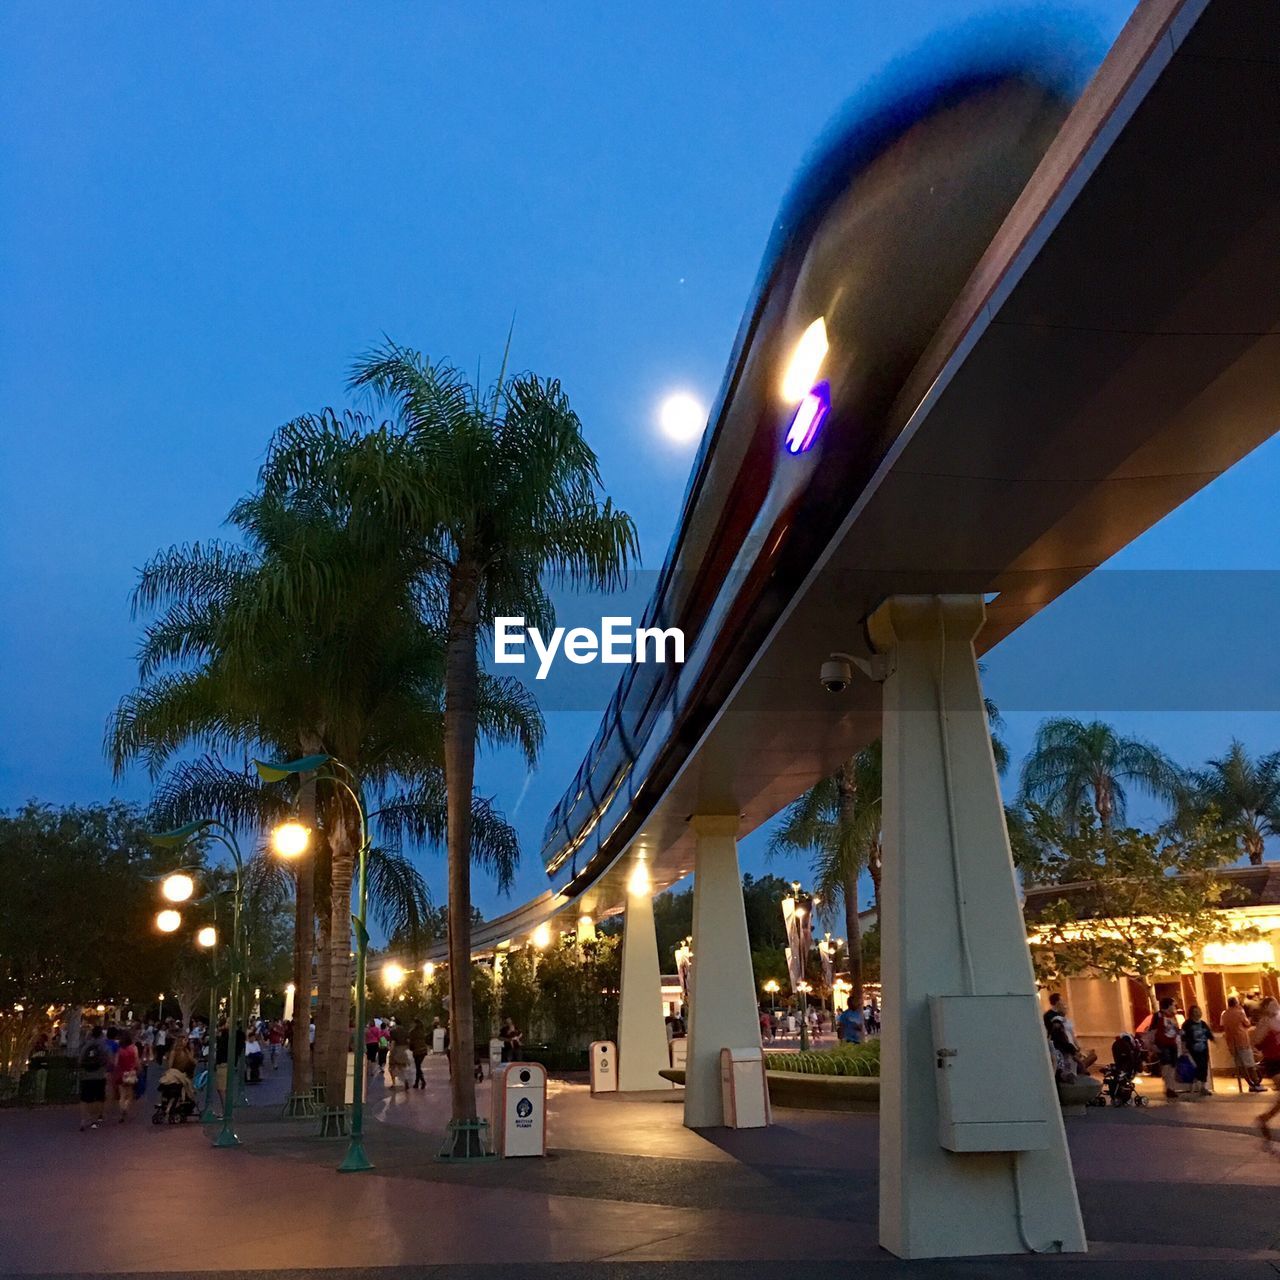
(836, 674)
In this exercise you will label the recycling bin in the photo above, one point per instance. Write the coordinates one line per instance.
(744, 1090)
(437, 1039)
(519, 1109)
(495, 1054)
(604, 1067)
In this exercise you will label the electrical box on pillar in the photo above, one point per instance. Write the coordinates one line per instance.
(983, 1104)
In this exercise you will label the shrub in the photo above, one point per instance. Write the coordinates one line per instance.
(844, 1060)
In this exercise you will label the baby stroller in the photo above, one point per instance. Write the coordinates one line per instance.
(1118, 1078)
(176, 1103)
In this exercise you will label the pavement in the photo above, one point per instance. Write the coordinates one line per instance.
(625, 1190)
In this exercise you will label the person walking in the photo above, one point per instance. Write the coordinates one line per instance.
(372, 1034)
(1166, 1036)
(275, 1038)
(253, 1056)
(1235, 1027)
(399, 1058)
(125, 1074)
(418, 1046)
(849, 1026)
(384, 1044)
(1266, 1039)
(1196, 1038)
(512, 1041)
(94, 1063)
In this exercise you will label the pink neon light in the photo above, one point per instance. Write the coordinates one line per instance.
(810, 415)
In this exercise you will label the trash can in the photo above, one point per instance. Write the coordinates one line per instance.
(495, 1054)
(437, 1039)
(679, 1053)
(744, 1091)
(604, 1067)
(519, 1110)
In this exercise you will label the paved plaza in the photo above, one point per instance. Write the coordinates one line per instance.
(1183, 1189)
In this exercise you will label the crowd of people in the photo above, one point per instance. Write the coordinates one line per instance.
(851, 1026)
(114, 1062)
(1177, 1046)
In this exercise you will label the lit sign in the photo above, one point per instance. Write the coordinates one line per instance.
(809, 418)
(1251, 953)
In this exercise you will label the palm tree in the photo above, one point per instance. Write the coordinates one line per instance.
(1238, 794)
(315, 635)
(838, 821)
(1074, 763)
(506, 494)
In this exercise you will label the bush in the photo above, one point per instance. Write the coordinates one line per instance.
(844, 1060)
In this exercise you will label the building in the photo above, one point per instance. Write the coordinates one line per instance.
(1102, 1008)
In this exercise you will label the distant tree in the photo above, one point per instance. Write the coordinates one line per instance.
(1074, 763)
(1239, 795)
(1133, 904)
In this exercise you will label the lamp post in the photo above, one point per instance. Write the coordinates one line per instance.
(176, 891)
(290, 840)
(803, 988)
(772, 988)
(208, 938)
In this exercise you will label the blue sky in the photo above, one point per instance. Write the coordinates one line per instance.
(208, 211)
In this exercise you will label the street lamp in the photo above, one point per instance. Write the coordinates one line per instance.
(393, 975)
(327, 768)
(772, 988)
(804, 988)
(207, 937)
(428, 971)
(179, 838)
(168, 921)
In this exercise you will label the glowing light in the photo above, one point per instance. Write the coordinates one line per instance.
(542, 937)
(178, 887)
(806, 360)
(290, 839)
(289, 988)
(771, 986)
(808, 419)
(682, 418)
(168, 921)
(207, 937)
(428, 972)
(392, 974)
(586, 931)
(640, 883)
(1250, 953)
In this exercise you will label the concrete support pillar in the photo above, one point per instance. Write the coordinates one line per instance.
(642, 1032)
(723, 1013)
(951, 925)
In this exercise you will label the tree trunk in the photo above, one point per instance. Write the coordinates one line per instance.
(875, 864)
(304, 939)
(460, 680)
(1254, 846)
(338, 1041)
(847, 792)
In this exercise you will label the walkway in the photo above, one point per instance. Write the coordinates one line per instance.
(1184, 1187)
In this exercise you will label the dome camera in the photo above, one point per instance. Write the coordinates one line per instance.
(836, 674)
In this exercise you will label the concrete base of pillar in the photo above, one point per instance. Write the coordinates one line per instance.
(951, 926)
(723, 1013)
(642, 1033)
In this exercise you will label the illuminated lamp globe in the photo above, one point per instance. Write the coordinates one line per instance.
(290, 839)
(178, 887)
(168, 921)
(392, 974)
(207, 937)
